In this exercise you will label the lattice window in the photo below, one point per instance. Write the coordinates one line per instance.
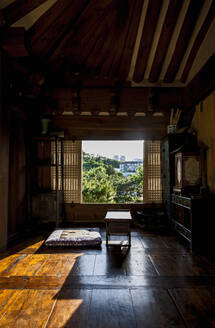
(152, 192)
(71, 170)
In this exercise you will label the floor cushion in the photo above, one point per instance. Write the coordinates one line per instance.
(74, 237)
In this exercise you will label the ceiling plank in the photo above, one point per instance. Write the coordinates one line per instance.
(103, 45)
(183, 39)
(198, 41)
(126, 57)
(146, 39)
(51, 16)
(46, 40)
(164, 40)
(80, 28)
(19, 9)
(120, 42)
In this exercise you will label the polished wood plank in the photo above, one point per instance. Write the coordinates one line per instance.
(153, 307)
(196, 305)
(137, 263)
(8, 262)
(31, 308)
(181, 265)
(28, 266)
(152, 242)
(7, 297)
(110, 264)
(57, 265)
(111, 309)
(84, 265)
(71, 309)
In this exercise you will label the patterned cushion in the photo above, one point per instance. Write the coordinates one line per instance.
(74, 237)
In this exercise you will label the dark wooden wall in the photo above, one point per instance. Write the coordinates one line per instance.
(4, 157)
(13, 202)
(17, 176)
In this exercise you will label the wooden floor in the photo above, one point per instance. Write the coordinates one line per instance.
(157, 283)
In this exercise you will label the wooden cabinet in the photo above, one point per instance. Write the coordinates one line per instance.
(168, 145)
(190, 219)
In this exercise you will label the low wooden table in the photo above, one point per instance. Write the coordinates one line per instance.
(118, 223)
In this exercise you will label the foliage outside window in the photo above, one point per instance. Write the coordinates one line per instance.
(103, 183)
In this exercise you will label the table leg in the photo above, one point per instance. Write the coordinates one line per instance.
(106, 234)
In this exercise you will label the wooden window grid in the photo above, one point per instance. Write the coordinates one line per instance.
(152, 191)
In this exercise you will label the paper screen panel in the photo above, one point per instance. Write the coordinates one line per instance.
(152, 192)
(72, 166)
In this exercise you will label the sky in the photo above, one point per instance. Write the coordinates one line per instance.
(130, 149)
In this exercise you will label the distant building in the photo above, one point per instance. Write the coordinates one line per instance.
(130, 167)
(116, 157)
(122, 158)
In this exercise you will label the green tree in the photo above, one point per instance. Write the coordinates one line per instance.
(102, 183)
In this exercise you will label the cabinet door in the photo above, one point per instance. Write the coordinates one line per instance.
(165, 174)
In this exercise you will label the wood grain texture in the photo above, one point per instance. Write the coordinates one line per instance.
(137, 263)
(44, 37)
(153, 307)
(127, 52)
(71, 309)
(183, 39)
(7, 297)
(149, 27)
(31, 308)
(19, 9)
(180, 264)
(111, 310)
(196, 305)
(165, 37)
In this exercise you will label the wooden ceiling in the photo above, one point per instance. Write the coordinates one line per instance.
(120, 65)
(149, 42)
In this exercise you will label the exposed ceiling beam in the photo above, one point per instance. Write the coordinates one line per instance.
(146, 39)
(89, 127)
(198, 41)
(19, 9)
(175, 35)
(196, 30)
(130, 40)
(164, 40)
(138, 39)
(183, 39)
(156, 38)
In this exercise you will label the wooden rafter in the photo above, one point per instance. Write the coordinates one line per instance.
(130, 41)
(166, 33)
(19, 9)
(46, 41)
(183, 39)
(200, 37)
(146, 39)
(63, 46)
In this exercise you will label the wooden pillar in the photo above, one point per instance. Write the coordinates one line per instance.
(4, 160)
